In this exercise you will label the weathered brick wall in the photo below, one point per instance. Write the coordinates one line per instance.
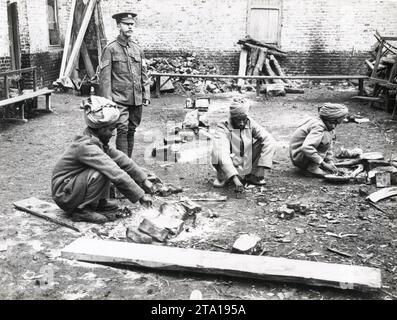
(320, 36)
(4, 48)
(333, 36)
(210, 28)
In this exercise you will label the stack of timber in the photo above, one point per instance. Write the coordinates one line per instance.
(84, 41)
(261, 59)
(382, 70)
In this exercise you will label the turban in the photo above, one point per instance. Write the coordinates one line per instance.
(333, 111)
(100, 112)
(239, 107)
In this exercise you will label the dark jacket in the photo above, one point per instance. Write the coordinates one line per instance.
(87, 151)
(123, 74)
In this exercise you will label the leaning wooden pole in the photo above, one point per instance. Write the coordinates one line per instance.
(80, 37)
(278, 69)
(67, 39)
(242, 66)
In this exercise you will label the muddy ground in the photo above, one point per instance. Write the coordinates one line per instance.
(29, 151)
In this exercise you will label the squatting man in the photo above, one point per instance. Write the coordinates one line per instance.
(242, 149)
(82, 176)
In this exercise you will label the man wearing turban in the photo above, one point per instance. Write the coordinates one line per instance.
(242, 149)
(81, 178)
(311, 143)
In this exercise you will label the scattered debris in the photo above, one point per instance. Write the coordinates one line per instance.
(134, 235)
(339, 252)
(284, 213)
(349, 153)
(382, 194)
(151, 229)
(246, 243)
(3, 246)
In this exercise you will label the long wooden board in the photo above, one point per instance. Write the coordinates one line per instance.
(46, 210)
(212, 262)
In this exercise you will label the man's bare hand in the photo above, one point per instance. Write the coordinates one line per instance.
(146, 201)
(330, 166)
(148, 186)
(238, 186)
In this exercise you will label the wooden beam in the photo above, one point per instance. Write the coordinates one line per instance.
(219, 76)
(277, 68)
(260, 61)
(270, 51)
(220, 263)
(80, 37)
(242, 66)
(98, 32)
(67, 39)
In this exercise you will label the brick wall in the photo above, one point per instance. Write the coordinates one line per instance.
(320, 36)
(4, 48)
(335, 35)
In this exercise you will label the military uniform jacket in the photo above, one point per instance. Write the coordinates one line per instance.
(123, 74)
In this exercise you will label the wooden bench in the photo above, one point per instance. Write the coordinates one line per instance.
(158, 76)
(26, 96)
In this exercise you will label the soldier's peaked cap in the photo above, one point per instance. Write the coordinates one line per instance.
(125, 17)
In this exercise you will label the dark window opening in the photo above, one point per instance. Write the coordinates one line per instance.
(53, 27)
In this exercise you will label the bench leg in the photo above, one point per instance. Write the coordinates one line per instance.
(258, 87)
(394, 115)
(48, 103)
(157, 94)
(360, 87)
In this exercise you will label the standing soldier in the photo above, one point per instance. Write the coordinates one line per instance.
(123, 78)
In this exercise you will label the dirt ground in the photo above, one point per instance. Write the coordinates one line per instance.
(28, 153)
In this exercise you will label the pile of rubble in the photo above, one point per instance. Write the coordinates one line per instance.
(189, 63)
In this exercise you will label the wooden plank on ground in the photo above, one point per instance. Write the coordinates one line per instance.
(212, 262)
(383, 194)
(46, 210)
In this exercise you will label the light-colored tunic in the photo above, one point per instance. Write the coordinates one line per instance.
(311, 144)
(253, 145)
(86, 169)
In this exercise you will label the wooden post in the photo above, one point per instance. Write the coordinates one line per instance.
(67, 38)
(258, 87)
(242, 66)
(378, 56)
(158, 86)
(34, 79)
(98, 33)
(87, 61)
(6, 87)
(261, 60)
(360, 87)
(254, 52)
(271, 72)
(394, 115)
(278, 69)
(80, 37)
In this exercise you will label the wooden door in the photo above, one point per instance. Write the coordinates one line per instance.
(264, 20)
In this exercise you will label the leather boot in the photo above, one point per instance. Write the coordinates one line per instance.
(121, 142)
